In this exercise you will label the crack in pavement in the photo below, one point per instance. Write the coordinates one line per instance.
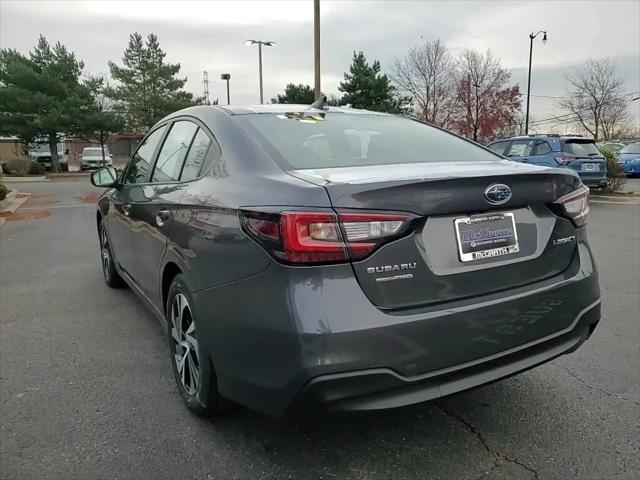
(498, 457)
(598, 389)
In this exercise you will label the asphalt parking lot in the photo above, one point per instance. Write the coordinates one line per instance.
(86, 389)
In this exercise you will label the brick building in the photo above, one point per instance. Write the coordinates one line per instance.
(120, 147)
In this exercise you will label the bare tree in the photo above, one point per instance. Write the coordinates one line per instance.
(596, 100)
(427, 75)
(515, 128)
(616, 119)
(486, 100)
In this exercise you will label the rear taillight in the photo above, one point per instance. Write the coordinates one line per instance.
(322, 237)
(564, 159)
(575, 206)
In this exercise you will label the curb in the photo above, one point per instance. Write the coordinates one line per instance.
(631, 199)
(55, 176)
(635, 201)
(7, 179)
(12, 203)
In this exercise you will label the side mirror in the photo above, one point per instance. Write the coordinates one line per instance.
(105, 177)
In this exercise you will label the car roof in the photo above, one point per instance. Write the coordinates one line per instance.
(208, 113)
(288, 108)
(272, 108)
(542, 137)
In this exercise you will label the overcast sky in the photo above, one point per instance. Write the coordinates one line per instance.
(208, 36)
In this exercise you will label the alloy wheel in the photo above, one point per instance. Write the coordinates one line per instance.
(105, 253)
(185, 344)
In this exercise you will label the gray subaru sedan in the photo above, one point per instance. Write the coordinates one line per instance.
(311, 257)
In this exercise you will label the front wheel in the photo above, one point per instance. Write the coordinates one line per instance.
(191, 366)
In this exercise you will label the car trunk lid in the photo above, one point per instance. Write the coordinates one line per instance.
(426, 266)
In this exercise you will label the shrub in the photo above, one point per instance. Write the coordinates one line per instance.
(17, 166)
(36, 168)
(3, 191)
(615, 173)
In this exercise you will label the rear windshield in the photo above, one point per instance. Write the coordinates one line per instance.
(302, 141)
(581, 148)
(632, 148)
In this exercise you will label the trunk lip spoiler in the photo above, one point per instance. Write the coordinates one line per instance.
(424, 172)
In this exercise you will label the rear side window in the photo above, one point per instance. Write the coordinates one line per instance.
(200, 157)
(542, 148)
(325, 140)
(171, 157)
(140, 164)
(521, 148)
(581, 148)
(499, 147)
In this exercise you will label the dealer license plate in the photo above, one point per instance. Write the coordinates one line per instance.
(486, 236)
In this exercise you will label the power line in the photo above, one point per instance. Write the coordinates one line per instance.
(567, 115)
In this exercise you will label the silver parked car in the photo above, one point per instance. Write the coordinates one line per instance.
(94, 157)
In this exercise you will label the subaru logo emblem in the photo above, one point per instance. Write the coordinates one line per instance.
(497, 194)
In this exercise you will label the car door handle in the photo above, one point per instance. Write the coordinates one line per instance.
(162, 216)
(126, 209)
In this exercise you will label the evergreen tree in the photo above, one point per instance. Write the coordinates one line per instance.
(365, 87)
(148, 88)
(296, 94)
(101, 120)
(41, 95)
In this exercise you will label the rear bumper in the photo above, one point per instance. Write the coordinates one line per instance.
(383, 388)
(100, 164)
(591, 180)
(293, 337)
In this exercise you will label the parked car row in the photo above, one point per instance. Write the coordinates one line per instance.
(575, 153)
(91, 157)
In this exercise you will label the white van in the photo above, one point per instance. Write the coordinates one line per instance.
(39, 152)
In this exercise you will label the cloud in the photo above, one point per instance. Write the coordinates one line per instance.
(209, 35)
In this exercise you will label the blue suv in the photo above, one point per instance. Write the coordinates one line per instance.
(577, 153)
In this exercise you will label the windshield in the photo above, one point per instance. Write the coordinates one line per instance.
(581, 148)
(631, 148)
(91, 152)
(305, 141)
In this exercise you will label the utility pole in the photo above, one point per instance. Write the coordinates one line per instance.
(316, 46)
(260, 71)
(205, 82)
(544, 40)
(227, 77)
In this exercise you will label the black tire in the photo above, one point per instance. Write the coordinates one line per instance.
(111, 275)
(199, 391)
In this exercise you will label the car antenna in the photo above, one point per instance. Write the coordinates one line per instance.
(320, 103)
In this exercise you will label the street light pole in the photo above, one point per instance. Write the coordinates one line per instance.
(316, 46)
(260, 43)
(227, 77)
(544, 40)
(260, 70)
